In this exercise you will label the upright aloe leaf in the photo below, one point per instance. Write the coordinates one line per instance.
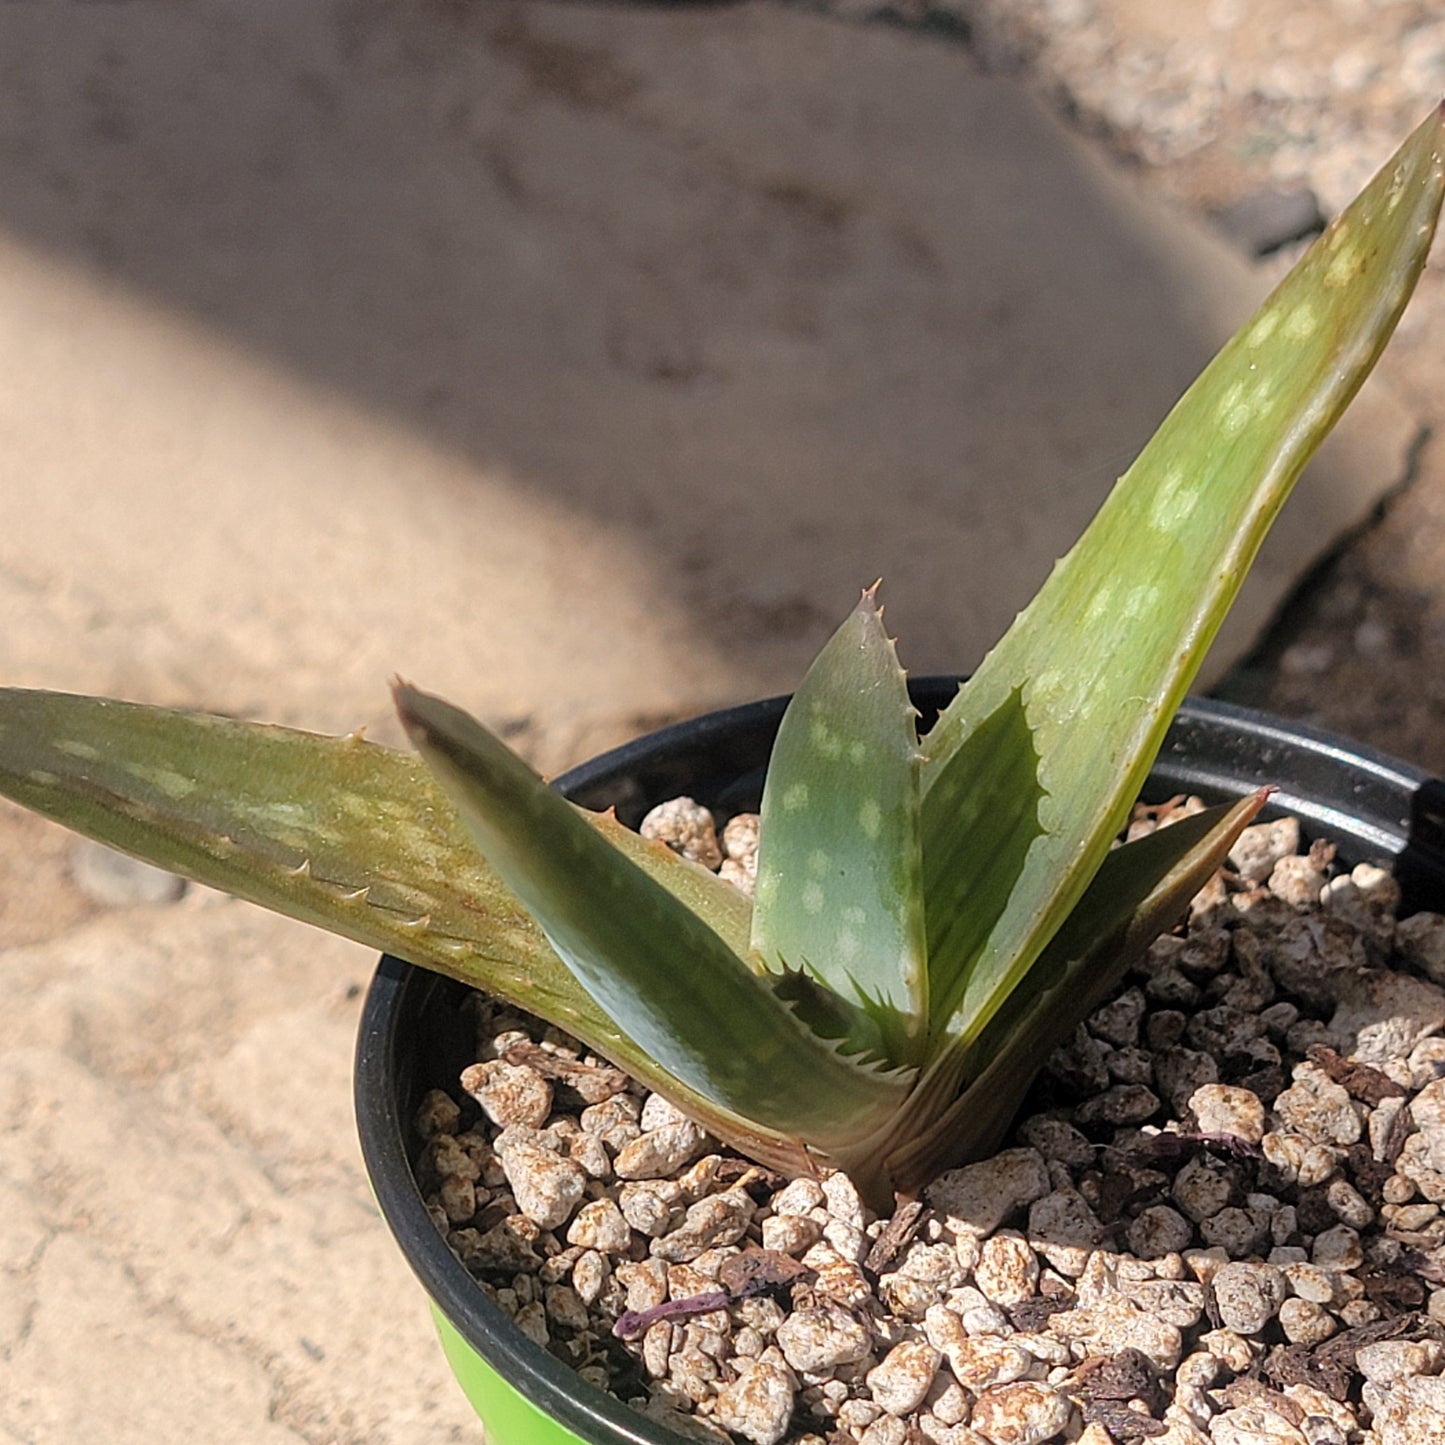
(1105, 652)
(991, 798)
(840, 889)
(665, 977)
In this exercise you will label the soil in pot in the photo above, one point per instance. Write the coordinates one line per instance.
(1219, 1217)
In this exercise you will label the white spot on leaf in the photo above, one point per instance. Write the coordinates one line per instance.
(795, 798)
(170, 782)
(813, 898)
(1343, 268)
(1172, 505)
(1141, 601)
(1262, 330)
(1302, 323)
(870, 818)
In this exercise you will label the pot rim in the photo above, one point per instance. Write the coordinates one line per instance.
(1380, 808)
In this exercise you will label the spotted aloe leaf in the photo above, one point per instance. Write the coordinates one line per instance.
(1104, 653)
(651, 963)
(840, 886)
(340, 833)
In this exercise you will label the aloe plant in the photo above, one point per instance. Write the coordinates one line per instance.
(932, 913)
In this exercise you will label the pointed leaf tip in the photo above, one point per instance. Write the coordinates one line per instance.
(839, 890)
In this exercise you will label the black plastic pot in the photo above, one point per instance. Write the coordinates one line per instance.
(413, 1036)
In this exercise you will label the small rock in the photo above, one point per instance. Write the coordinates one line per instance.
(1236, 1353)
(1181, 1073)
(1314, 1283)
(438, 1113)
(758, 1404)
(600, 1226)
(1297, 880)
(1306, 1323)
(1202, 1188)
(1253, 1425)
(509, 1093)
(1298, 1160)
(1260, 847)
(660, 1152)
(740, 843)
(1248, 1295)
(1421, 941)
(903, 1377)
(1024, 1413)
(1064, 1229)
(979, 1197)
(908, 1298)
(651, 1207)
(1388, 1362)
(1122, 1104)
(1413, 1412)
(1314, 956)
(613, 1121)
(801, 1196)
(1176, 1302)
(687, 828)
(886, 1430)
(791, 1234)
(1227, 1109)
(717, 1220)
(645, 1281)
(1337, 1249)
(589, 1274)
(813, 1340)
(1317, 1107)
(547, 1187)
(1159, 1230)
(1117, 1022)
(1421, 1164)
(1239, 1232)
(1057, 1140)
(1007, 1271)
(1081, 1064)
(1349, 1204)
(1427, 1108)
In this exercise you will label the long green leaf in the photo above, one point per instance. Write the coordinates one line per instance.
(1140, 892)
(1105, 652)
(666, 978)
(991, 797)
(839, 892)
(337, 832)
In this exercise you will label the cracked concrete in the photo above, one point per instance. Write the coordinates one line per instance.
(579, 359)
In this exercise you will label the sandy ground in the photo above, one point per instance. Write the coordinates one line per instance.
(580, 361)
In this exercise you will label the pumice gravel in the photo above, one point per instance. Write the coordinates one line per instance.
(1218, 1218)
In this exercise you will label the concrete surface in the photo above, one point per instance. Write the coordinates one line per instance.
(579, 360)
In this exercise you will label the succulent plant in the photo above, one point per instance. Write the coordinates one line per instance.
(932, 913)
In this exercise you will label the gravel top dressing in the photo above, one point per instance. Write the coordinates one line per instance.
(1218, 1220)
